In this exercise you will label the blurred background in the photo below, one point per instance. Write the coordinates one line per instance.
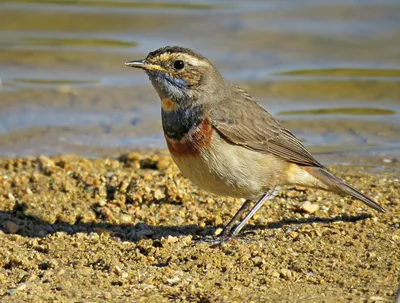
(330, 70)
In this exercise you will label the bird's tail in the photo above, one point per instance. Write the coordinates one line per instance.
(340, 186)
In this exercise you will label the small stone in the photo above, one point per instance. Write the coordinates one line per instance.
(377, 299)
(53, 263)
(286, 273)
(31, 277)
(187, 240)
(173, 281)
(11, 227)
(126, 219)
(60, 272)
(147, 189)
(309, 207)
(20, 286)
(102, 231)
(275, 274)
(218, 220)
(172, 239)
(163, 163)
(159, 194)
(118, 270)
(218, 231)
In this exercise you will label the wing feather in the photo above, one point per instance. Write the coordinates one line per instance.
(242, 121)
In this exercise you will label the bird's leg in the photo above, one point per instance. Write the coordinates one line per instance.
(227, 233)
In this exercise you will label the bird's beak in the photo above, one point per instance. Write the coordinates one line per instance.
(138, 64)
(144, 65)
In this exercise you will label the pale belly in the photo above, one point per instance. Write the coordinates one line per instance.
(230, 170)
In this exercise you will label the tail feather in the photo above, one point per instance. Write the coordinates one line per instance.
(340, 186)
(348, 189)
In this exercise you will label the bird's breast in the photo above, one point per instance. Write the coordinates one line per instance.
(192, 142)
(212, 163)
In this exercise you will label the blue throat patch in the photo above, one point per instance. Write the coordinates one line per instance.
(179, 122)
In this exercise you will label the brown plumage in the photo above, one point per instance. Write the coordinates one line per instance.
(224, 141)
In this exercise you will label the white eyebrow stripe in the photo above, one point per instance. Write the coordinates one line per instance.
(194, 61)
(185, 57)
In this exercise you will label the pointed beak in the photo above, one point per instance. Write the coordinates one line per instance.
(138, 64)
(144, 65)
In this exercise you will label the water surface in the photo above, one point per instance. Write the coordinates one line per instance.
(329, 70)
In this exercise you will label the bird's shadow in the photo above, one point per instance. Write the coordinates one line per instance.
(33, 227)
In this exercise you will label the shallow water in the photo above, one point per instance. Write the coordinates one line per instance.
(331, 72)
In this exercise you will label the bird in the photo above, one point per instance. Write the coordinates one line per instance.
(225, 142)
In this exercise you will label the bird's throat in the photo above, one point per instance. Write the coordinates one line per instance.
(168, 104)
(177, 121)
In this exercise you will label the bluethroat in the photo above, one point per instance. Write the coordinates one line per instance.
(227, 143)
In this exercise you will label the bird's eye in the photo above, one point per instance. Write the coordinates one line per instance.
(179, 64)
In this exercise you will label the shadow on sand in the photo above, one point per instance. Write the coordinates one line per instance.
(33, 227)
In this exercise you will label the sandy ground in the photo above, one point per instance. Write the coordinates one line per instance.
(132, 230)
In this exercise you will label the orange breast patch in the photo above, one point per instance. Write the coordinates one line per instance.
(168, 105)
(195, 140)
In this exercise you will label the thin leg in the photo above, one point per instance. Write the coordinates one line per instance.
(267, 196)
(226, 231)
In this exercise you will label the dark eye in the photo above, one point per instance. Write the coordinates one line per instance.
(179, 64)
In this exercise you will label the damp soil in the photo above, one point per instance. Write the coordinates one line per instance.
(133, 229)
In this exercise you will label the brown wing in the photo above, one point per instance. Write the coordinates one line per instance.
(242, 121)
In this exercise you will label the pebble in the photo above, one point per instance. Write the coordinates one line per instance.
(126, 219)
(11, 227)
(378, 299)
(20, 286)
(163, 163)
(118, 270)
(102, 202)
(159, 194)
(172, 239)
(275, 274)
(60, 272)
(286, 273)
(187, 240)
(218, 231)
(11, 197)
(31, 277)
(218, 220)
(102, 231)
(174, 280)
(309, 207)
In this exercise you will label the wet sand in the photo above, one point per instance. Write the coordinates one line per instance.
(131, 229)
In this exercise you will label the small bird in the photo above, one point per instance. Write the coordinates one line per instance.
(227, 143)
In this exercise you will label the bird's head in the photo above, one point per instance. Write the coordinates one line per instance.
(179, 73)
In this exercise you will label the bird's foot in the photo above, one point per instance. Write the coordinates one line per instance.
(220, 238)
